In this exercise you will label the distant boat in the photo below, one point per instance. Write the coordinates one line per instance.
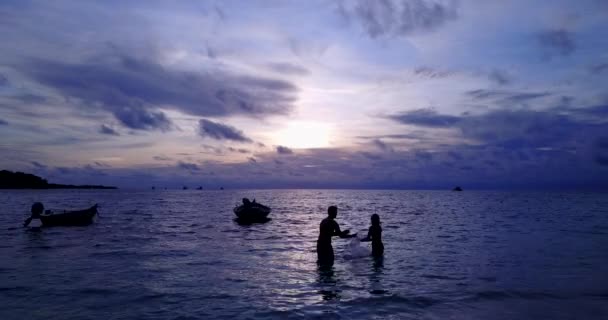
(221, 188)
(69, 218)
(252, 212)
(199, 188)
(457, 189)
(184, 188)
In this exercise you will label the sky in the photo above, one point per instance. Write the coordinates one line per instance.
(379, 94)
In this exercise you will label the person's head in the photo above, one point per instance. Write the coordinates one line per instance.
(332, 211)
(246, 201)
(37, 208)
(375, 220)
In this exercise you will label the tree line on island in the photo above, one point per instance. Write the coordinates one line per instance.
(21, 180)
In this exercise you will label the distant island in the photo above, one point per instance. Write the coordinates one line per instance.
(21, 180)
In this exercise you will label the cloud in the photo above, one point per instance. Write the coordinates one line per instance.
(559, 41)
(162, 158)
(440, 167)
(3, 80)
(599, 112)
(38, 165)
(432, 73)
(371, 156)
(288, 68)
(220, 131)
(508, 97)
(423, 156)
(599, 68)
(64, 170)
(416, 135)
(136, 145)
(211, 149)
(499, 77)
(138, 117)
(134, 89)
(382, 145)
(104, 129)
(518, 128)
(425, 118)
(238, 150)
(3, 122)
(188, 166)
(284, 150)
(381, 18)
(221, 150)
(101, 164)
(29, 98)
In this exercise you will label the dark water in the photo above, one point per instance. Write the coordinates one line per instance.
(179, 255)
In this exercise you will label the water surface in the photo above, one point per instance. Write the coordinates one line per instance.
(179, 255)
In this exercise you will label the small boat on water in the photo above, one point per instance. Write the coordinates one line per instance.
(252, 212)
(69, 218)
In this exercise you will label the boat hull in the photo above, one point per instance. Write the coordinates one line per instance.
(257, 213)
(70, 218)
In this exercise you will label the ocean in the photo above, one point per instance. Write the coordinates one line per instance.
(159, 254)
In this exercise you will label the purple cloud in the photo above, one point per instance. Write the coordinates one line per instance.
(221, 131)
(104, 129)
(382, 145)
(558, 41)
(398, 17)
(134, 88)
(288, 68)
(188, 166)
(284, 150)
(499, 77)
(425, 118)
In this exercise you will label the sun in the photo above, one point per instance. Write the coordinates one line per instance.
(304, 135)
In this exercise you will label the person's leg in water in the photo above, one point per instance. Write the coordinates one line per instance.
(325, 254)
(377, 249)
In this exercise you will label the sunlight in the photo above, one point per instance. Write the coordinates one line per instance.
(302, 135)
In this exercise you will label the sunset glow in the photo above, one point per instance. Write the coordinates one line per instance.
(302, 135)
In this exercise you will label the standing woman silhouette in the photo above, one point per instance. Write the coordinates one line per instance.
(375, 236)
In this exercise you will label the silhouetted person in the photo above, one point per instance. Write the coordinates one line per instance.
(329, 228)
(37, 209)
(375, 236)
(246, 202)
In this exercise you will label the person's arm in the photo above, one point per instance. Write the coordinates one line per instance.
(27, 221)
(337, 231)
(369, 235)
(342, 234)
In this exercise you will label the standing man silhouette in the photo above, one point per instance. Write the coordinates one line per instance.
(328, 229)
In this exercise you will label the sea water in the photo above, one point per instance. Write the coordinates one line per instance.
(179, 255)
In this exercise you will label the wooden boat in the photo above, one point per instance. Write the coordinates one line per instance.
(253, 212)
(69, 218)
